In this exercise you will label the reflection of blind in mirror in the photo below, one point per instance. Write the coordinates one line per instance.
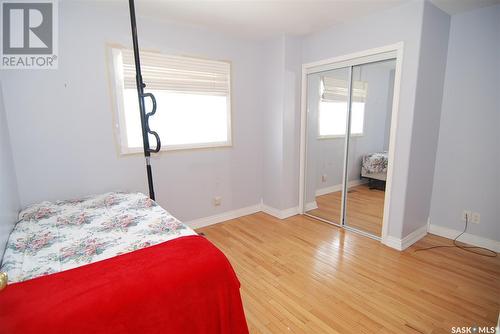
(333, 89)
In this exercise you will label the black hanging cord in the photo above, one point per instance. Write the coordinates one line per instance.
(141, 95)
(471, 249)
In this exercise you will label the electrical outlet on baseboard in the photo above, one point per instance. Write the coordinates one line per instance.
(324, 178)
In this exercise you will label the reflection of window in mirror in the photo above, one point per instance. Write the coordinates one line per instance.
(333, 107)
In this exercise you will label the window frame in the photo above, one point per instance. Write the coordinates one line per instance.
(119, 121)
(326, 137)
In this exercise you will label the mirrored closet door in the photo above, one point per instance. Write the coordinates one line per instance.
(348, 125)
(327, 100)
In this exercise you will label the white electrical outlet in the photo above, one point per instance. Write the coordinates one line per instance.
(324, 178)
(217, 201)
(466, 215)
(476, 218)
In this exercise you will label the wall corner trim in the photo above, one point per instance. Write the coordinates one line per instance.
(410, 239)
(280, 214)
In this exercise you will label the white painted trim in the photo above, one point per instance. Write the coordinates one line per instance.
(467, 238)
(326, 190)
(338, 187)
(218, 218)
(347, 60)
(303, 141)
(413, 237)
(311, 206)
(280, 214)
(345, 169)
(410, 239)
(206, 221)
(353, 59)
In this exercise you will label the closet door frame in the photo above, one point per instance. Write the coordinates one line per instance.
(393, 51)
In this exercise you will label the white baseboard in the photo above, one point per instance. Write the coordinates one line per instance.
(467, 238)
(206, 221)
(219, 218)
(280, 214)
(338, 187)
(410, 239)
(327, 190)
(311, 206)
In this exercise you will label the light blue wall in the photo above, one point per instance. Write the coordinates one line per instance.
(64, 144)
(9, 197)
(467, 172)
(426, 116)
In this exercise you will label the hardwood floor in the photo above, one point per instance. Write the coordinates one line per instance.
(365, 208)
(300, 275)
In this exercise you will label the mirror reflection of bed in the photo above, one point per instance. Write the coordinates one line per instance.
(368, 143)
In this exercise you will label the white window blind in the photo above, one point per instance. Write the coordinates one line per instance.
(178, 74)
(333, 107)
(334, 89)
(193, 99)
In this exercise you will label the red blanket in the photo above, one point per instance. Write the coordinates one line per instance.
(185, 285)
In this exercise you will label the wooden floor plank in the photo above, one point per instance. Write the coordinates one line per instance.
(365, 208)
(302, 276)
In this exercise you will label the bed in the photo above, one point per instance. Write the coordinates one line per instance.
(374, 168)
(115, 263)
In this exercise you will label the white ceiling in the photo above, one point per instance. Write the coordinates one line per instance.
(453, 7)
(263, 19)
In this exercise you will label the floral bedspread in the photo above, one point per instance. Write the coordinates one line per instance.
(374, 163)
(56, 236)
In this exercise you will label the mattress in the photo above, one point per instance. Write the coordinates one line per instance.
(55, 236)
(374, 165)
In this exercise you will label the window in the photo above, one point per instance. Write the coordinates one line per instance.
(193, 100)
(333, 107)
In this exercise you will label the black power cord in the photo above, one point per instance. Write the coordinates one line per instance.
(470, 249)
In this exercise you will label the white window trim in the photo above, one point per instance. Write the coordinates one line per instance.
(326, 137)
(119, 122)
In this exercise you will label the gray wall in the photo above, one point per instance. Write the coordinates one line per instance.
(429, 92)
(468, 157)
(9, 197)
(273, 107)
(281, 110)
(64, 143)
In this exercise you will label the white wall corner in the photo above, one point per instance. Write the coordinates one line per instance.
(211, 220)
(410, 239)
(280, 214)
(467, 238)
